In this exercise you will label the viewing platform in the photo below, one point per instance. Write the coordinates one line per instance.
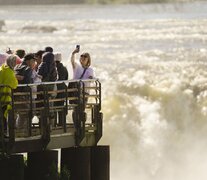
(42, 127)
(49, 116)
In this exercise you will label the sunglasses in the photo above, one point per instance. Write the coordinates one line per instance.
(84, 56)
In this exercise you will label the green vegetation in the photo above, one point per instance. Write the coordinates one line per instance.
(65, 174)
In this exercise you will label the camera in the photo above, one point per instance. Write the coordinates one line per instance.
(78, 47)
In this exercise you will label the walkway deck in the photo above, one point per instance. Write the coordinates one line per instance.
(48, 119)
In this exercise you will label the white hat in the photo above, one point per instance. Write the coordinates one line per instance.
(58, 56)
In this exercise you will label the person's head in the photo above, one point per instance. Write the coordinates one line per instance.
(38, 56)
(11, 61)
(9, 51)
(29, 59)
(20, 52)
(85, 59)
(57, 57)
(48, 49)
(48, 58)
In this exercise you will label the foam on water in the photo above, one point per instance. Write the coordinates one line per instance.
(152, 65)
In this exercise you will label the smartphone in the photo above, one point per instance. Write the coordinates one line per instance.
(78, 47)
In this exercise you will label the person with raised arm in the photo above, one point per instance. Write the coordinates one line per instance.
(83, 69)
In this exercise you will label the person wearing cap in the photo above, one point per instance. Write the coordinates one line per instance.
(25, 71)
(8, 78)
(62, 75)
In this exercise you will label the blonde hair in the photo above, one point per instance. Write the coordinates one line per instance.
(89, 58)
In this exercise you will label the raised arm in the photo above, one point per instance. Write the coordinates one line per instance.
(73, 57)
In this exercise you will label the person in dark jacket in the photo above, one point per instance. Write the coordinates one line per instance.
(62, 75)
(61, 69)
(48, 73)
(47, 69)
(24, 71)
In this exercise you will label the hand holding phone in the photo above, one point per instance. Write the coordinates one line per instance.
(78, 47)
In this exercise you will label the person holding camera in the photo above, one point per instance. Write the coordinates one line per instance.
(82, 70)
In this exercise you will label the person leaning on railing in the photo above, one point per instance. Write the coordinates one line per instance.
(48, 73)
(82, 70)
(7, 78)
(62, 75)
(24, 71)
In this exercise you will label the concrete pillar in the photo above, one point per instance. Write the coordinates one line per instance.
(100, 163)
(12, 167)
(88, 163)
(42, 165)
(77, 161)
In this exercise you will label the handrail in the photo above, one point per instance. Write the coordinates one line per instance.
(45, 105)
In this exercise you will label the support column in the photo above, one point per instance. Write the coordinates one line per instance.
(76, 160)
(12, 167)
(42, 165)
(88, 163)
(100, 163)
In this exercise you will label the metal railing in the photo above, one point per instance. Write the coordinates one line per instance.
(46, 111)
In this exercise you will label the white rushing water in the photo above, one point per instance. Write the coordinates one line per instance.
(151, 60)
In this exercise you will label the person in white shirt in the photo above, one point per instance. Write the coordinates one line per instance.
(78, 68)
(81, 70)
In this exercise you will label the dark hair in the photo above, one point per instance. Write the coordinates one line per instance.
(29, 56)
(48, 49)
(20, 52)
(39, 53)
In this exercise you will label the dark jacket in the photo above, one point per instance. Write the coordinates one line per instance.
(24, 70)
(62, 71)
(47, 69)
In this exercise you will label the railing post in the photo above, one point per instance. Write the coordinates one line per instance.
(98, 120)
(30, 112)
(79, 115)
(44, 119)
(99, 87)
(12, 120)
(2, 147)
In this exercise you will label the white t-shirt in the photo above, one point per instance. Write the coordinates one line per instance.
(78, 71)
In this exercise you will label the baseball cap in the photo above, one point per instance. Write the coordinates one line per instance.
(29, 56)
